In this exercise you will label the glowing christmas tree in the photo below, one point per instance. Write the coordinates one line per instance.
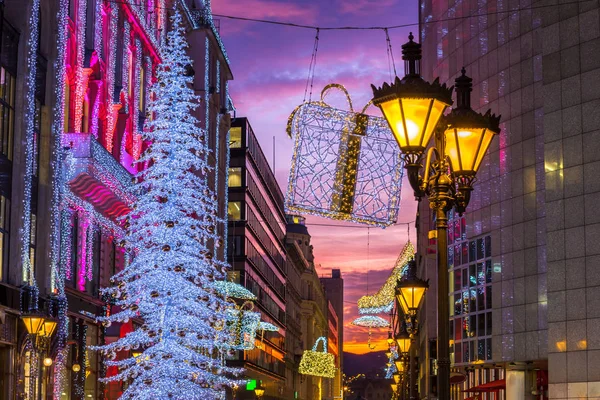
(169, 284)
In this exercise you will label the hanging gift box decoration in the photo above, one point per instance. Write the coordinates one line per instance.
(346, 164)
(318, 363)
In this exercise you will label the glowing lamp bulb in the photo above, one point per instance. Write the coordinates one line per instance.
(412, 129)
(47, 362)
(76, 368)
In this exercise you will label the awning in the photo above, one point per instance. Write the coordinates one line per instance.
(493, 386)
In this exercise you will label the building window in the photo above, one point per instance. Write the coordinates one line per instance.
(142, 91)
(67, 106)
(470, 293)
(235, 177)
(234, 210)
(235, 138)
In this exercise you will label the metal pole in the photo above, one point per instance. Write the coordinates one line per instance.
(413, 371)
(443, 353)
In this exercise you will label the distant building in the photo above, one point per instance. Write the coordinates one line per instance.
(317, 316)
(370, 388)
(334, 290)
(257, 253)
(297, 263)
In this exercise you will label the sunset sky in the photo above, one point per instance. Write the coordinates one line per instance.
(270, 67)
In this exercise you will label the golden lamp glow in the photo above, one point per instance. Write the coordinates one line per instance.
(47, 362)
(76, 368)
(33, 323)
(403, 341)
(397, 378)
(410, 296)
(259, 391)
(48, 327)
(400, 366)
(412, 120)
(466, 147)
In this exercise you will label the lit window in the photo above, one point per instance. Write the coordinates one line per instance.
(235, 177)
(235, 137)
(234, 210)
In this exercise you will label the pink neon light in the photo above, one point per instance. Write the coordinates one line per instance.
(140, 32)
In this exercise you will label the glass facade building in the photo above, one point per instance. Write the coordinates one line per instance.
(537, 64)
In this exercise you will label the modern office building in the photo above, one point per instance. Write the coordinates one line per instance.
(523, 259)
(257, 254)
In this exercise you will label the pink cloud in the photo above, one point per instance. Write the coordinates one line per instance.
(360, 6)
(265, 9)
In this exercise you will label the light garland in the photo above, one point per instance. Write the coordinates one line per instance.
(58, 272)
(34, 26)
(371, 321)
(206, 88)
(205, 17)
(383, 300)
(318, 363)
(112, 106)
(98, 25)
(344, 165)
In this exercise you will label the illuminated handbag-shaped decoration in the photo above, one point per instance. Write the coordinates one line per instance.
(318, 363)
(346, 164)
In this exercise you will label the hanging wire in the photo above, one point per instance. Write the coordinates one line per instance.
(340, 28)
(390, 54)
(311, 69)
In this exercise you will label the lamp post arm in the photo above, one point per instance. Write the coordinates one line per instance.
(413, 165)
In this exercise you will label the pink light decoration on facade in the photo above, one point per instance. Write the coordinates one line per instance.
(112, 109)
(96, 111)
(81, 74)
(144, 34)
(137, 66)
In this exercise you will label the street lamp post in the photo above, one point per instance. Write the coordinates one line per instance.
(413, 108)
(410, 292)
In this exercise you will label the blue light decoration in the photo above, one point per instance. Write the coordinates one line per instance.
(383, 300)
(267, 327)
(239, 328)
(345, 164)
(233, 290)
(391, 364)
(170, 267)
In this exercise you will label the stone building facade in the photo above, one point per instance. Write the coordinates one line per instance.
(71, 139)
